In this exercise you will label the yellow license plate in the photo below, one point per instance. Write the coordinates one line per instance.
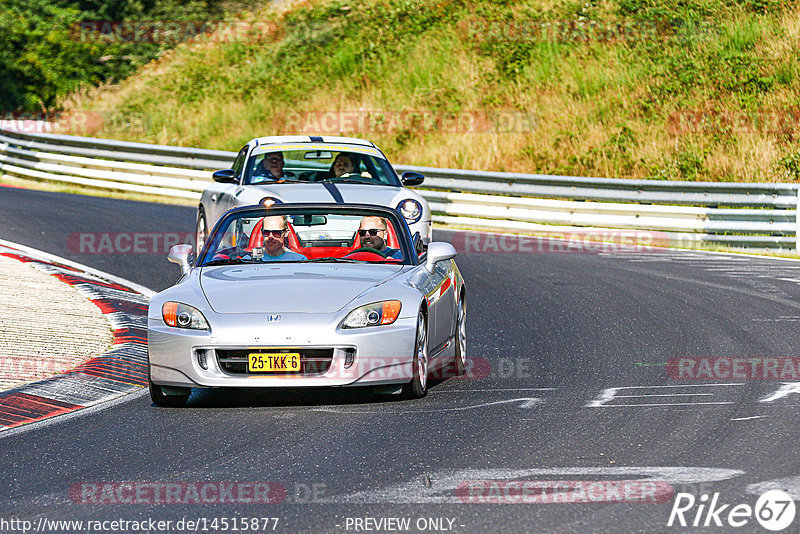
(259, 362)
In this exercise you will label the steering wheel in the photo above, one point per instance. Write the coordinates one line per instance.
(368, 251)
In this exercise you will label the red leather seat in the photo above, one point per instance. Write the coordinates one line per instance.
(293, 243)
(391, 237)
(257, 238)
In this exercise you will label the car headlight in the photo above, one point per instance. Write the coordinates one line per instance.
(269, 201)
(378, 313)
(183, 316)
(411, 210)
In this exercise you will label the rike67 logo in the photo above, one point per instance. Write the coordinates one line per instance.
(774, 510)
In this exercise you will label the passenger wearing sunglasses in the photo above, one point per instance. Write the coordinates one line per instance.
(274, 230)
(372, 234)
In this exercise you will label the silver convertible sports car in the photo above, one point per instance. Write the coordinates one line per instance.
(304, 295)
(292, 169)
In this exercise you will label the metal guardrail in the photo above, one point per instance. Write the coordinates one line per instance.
(736, 214)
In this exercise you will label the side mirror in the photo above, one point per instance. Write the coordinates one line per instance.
(180, 254)
(439, 251)
(227, 176)
(412, 178)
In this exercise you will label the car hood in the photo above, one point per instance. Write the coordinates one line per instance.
(289, 287)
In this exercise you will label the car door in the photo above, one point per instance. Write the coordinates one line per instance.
(442, 304)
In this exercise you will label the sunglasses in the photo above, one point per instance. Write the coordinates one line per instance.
(275, 160)
(372, 231)
(273, 233)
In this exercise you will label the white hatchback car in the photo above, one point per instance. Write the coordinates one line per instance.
(292, 169)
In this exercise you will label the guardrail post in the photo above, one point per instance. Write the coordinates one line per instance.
(797, 222)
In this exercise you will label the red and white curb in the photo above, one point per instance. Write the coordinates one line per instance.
(119, 371)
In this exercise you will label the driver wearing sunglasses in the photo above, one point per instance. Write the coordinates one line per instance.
(274, 230)
(372, 234)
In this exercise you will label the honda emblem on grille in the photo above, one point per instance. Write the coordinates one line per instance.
(273, 318)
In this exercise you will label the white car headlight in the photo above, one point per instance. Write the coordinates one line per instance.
(183, 316)
(378, 313)
(410, 209)
(269, 201)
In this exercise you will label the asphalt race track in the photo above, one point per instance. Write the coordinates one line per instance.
(569, 383)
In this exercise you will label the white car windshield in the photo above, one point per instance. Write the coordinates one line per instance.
(311, 235)
(319, 164)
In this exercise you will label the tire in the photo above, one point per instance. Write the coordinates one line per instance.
(418, 387)
(460, 356)
(201, 231)
(167, 401)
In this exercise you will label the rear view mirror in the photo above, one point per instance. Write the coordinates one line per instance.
(309, 220)
(318, 154)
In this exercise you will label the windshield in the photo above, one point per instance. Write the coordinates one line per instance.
(334, 235)
(320, 163)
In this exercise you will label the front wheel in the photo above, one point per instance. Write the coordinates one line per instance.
(418, 387)
(460, 357)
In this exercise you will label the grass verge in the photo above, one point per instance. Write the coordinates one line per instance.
(691, 90)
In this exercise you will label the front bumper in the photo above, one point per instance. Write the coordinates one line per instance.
(377, 355)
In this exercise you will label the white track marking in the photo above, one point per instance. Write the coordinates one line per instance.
(785, 389)
(437, 392)
(790, 485)
(527, 402)
(126, 397)
(681, 386)
(660, 404)
(665, 395)
(34, 253)
(610, 394)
